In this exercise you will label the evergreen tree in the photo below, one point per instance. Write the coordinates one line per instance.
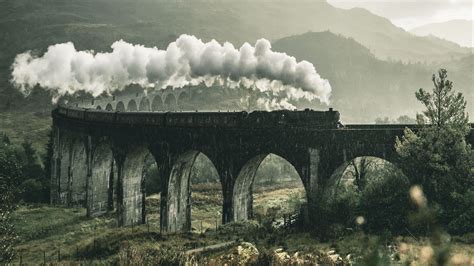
(10, 172)
(437, 156)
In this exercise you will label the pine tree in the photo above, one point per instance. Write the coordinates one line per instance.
(437, 156)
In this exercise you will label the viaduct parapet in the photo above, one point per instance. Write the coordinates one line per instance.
(99, 156)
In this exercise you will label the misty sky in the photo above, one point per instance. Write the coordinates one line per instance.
(412, 13)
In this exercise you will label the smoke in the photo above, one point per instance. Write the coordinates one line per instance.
(187, 61)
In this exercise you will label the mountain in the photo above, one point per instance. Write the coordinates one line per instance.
(457, 31)
(96, 24)
(365, 87)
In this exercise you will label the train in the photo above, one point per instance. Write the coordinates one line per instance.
(279, 118)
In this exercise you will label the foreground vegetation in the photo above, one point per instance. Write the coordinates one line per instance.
(371, 214)
(48, 233)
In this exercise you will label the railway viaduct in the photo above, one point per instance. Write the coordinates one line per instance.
(99, 156)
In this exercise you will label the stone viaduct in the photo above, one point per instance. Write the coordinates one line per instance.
(99, 155)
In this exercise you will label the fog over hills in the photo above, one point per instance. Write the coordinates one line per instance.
(95, 25)
(364, 86)
(458, 31)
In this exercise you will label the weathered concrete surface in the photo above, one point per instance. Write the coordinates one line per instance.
(78, 174)
(235, 142)
(63, 171)
(179, 193)
(130, 203)
(99, 179)
(242, 197)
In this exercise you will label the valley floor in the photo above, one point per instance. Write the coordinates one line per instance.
(51, 234)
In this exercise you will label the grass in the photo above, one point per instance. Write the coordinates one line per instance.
(51, 228)
(20, 126)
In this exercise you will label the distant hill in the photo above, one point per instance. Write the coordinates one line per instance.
(96, 24)
(365, 87)
(458, 31)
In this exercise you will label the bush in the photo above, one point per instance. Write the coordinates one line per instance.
(384, 202)
(464, 220)
(380, 197)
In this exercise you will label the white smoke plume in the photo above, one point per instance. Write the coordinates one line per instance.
(187, 61)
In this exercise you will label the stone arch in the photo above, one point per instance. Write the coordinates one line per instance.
(242, 199)
(120, 107)
(179, 191)
(98, 107)
(131, 193)
(77, 181)
(358, 165)
(373, 184)
(132, 106)
(183, 101)
(109, 107)
(170, 102)
(157, 104)
(144, 104)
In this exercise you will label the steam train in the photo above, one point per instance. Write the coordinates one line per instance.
(281, 118)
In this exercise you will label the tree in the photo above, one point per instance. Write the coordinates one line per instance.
(10, 171)
(443, 106)
(437, 156)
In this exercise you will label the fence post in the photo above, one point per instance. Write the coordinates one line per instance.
(148, 224)
(21, 258)
(44, 257)
(59, 254)
(175, 228)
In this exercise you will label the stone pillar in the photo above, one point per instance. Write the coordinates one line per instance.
(77, 174)
(55, 167)
(164, 170)
(242, 189)
(179, 193)
(227, 182)
(112, 191)
(101, 164)
(129, 190)
(63, 169)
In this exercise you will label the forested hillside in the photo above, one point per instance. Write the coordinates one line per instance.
(34, 25)
(365, 87)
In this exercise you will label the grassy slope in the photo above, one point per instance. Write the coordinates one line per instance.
(21, 126)
(47, 229)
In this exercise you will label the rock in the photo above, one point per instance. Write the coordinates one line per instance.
(246, 253)
(331, 252)
(280, 257)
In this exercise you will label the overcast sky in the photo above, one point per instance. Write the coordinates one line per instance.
(412, 13)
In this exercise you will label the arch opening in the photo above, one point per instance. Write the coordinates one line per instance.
(194, 194)
(132, 106)
(120, 107)
(98, 107)
(369, 187)
(154, 186)
(144, 105)
(269, 189)
(183, 102)
(170, 102)
(157, 104)
(109, 107)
